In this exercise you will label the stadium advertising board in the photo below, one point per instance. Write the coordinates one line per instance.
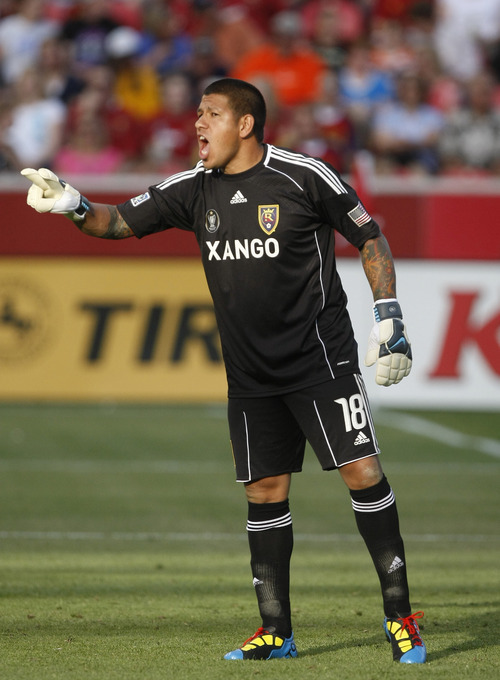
(143, 329)
(452, 313)
(98, 328)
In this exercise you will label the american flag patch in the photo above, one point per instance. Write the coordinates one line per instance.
(359, 215)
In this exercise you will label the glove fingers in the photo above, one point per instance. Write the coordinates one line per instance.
(35, 177)
(51, 180)
(392, 368)
(36, 199)
(35, 193)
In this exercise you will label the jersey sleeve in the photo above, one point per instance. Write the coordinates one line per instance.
(163, 206)
(338, 204)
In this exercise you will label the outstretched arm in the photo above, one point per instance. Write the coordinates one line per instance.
(48, 193)
(103, 221)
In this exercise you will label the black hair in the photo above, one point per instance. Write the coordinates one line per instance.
(243, 98)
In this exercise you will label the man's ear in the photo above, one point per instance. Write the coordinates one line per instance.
(246, 125)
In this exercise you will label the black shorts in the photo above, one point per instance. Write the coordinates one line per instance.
(268, 434)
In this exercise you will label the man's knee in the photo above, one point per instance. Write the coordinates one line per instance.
(363, 473)
(269, 489)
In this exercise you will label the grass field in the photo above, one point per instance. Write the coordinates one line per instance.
(123, 551)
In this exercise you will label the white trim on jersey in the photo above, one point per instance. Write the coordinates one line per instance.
(285, 175)
(320, 270)
(332, 373)
(270, 147)
(317, 166)
(180, 176)
(320, 257)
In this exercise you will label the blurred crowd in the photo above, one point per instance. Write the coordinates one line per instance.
(107, 86)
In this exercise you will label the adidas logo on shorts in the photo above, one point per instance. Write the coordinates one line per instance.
(238, 198)
(361, 439)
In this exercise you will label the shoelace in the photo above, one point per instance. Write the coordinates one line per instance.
(409, 624)
(260, 631)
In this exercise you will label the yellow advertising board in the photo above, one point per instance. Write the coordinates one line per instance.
(108, 329)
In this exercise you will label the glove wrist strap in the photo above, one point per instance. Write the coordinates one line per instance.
(81, 211)
(387, 309)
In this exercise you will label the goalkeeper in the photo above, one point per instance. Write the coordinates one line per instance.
(264, 218)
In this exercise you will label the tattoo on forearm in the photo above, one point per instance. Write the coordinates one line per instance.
(96, 223)
(379, 268)
(117, 227)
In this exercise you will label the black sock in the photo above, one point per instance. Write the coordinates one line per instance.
(377, 519)
(270, 537)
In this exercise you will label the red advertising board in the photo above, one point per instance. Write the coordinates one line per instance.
(438, 220)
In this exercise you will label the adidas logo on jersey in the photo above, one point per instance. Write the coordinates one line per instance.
(361, 439)
(238, 198)
(397, 563)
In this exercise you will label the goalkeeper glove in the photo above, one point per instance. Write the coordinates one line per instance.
(388, 344)
(48, 193)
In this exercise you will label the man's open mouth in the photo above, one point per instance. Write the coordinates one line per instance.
(204, 147)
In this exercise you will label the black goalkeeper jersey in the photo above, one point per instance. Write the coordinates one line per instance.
(267, 244)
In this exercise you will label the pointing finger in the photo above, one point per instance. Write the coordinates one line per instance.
(35, 177)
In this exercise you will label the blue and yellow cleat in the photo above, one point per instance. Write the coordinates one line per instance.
(404, 636)
(265, 645)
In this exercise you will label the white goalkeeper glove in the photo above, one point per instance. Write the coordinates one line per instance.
(388, 344)
(48, 193)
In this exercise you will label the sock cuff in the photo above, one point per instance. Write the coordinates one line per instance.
(264, 516)
(373, 499)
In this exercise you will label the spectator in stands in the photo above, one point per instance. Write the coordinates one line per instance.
(325, 34)
(55, 71)
(87, 149)
(470, 141)
(363, 89)
(349, 18)
(21, 37)
(292, 67)
(464, 32)
(136, 85)
(303, 134)
(405, 132)
(391, 52)
(86, 34)
(9, 162)
(444, 92)
(36, 131)
(235, 34)
(166, 46)
(124, 131)
(172, 146)
(335, 126)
